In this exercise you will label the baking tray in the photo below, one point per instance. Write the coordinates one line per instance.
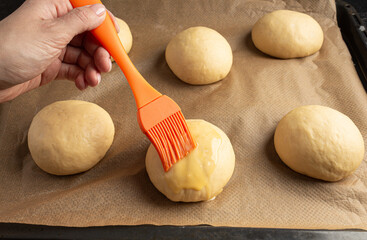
(354, 32)
(353, 29)
(24, 231)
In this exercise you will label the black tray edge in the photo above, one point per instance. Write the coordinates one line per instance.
(26, 231)
(356, 40)
(354, 33)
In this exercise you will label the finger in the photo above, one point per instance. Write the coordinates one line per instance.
(84, 60)
(76, 56)
(91, 44)
(81, 19)
(68, 5)
(72, 73)
(71, 55)
(102, 60)
(92, 76)
(80, 82)
(113, 18)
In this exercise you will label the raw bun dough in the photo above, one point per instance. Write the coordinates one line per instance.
(287, 34)
(203, 173)
(199, 55)
(319, 142)
(69, 137)
(125, 35)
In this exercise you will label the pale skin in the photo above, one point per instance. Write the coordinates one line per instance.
(46, 40)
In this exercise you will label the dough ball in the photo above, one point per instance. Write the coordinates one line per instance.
(203, 173)
(69, 137)
(319, 142)
(125, 35)
(287, 34)
(199, 55)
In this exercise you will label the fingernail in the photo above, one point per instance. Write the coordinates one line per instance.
(82, 85)
(99, 78)
(118, 28)
(99, 9)
(110, 66)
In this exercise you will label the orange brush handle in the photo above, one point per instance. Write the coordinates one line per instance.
(106, 34)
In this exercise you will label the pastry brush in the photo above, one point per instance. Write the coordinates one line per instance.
(159, 117)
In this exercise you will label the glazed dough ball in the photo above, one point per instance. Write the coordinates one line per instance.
(287, 34)
(125, 35)
(319, 142)
(203, 173)
(199, 55)
(69, 137)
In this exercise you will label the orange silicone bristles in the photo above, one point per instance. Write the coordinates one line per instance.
(168, 137)
(172, 139)
(159, 117)
(165, 126)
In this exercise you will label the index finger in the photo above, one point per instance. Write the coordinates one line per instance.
(117, 26)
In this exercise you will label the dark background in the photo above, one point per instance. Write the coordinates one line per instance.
(8, 6)
(350, 19)
(361, 7)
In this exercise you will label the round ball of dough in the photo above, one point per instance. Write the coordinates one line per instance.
(125, 35)
(69, 137)
(199, 55)
(203, 173)
(319, 142)
(287, 34)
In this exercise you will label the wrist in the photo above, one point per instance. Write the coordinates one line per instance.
(5, 79)
(10, 67)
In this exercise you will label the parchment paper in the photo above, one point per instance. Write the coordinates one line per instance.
(247, 105)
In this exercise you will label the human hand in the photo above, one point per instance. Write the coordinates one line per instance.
(45, 40)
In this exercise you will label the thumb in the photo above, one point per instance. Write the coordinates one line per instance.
(82, 19)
